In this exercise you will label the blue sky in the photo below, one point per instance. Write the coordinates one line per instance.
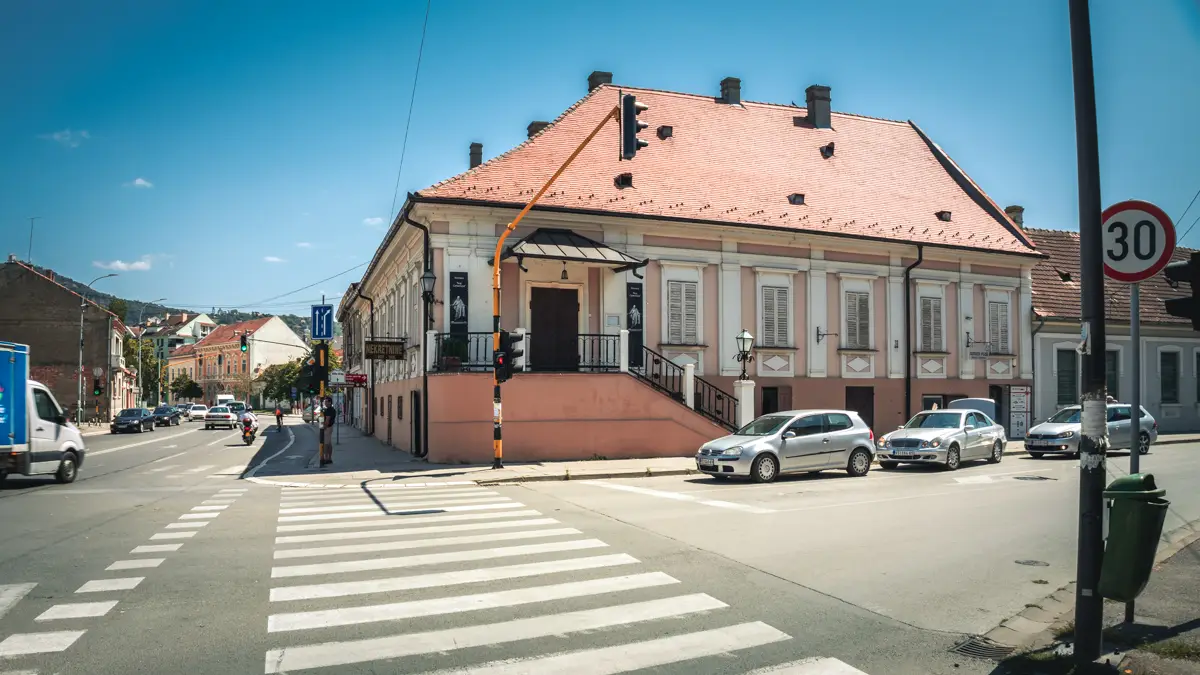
(195, 141)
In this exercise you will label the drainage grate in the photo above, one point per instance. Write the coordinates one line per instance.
(1032, 563)
(982, 648)
(1031, 478)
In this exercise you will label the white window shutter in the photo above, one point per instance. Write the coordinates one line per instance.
(936, 320)
(691, 332)
(851, 320)
(1004, 345)
(998, 327)
(864, 320)
(768, 303)
(674, 312)
(782, 312)
(926, 324)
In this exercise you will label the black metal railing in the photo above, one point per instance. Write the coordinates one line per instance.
(716, 404)
(463, 352)
(599, 353)
(659, 372)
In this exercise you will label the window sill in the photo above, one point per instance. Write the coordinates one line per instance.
(763, 348)
(931, 353)
(673, 345)
(856, 350)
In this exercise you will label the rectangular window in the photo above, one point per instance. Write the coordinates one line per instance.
(399, 407)
(682, 316)
(1168, 365)
(1068, 377)
(931, 325)
(998, 327)
(858, 320)
(775, 317)
(1111, 379)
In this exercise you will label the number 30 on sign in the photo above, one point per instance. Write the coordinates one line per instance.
(1138, 240)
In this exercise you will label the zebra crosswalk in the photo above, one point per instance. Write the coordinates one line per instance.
(421, 577)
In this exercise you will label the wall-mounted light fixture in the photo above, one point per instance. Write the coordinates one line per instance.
(821, 336)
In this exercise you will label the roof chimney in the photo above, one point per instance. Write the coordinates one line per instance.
(817, 101)
(731, 91)
(50, 275)
(535, 127)
(476, 154)
(597, 78)
(1017, 213)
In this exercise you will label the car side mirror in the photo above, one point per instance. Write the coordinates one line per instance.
(970, 427)
(60, 419)
(789, 434)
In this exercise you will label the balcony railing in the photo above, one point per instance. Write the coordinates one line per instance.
(464, 352)
(598, 353)
(661, 373)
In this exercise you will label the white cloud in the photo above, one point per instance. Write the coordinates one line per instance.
(373, 222)
(303, 244)
(139, 183)
(272, 259)
(67, 138)
(140, 265)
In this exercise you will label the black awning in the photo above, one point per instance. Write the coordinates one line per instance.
(557, 244)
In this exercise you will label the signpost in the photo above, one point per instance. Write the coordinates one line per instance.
(322, 322)
(1139, 239)
(337, 377)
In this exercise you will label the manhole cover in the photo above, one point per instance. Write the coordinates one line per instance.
(1031, 478)
(1033, 563)
(982, 648)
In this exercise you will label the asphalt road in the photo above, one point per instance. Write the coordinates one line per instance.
(162, 559)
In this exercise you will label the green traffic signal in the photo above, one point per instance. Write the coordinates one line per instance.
(245, 345)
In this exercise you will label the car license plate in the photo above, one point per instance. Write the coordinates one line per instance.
(708, 462)
(902, 453)
(1037, 444)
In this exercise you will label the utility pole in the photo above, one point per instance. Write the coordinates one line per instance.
(82, 310)
(1093, 443)
(29, 255)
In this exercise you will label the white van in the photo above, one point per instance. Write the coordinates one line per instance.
(35, 436)
(222, 399)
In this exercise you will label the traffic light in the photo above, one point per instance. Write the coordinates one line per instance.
(245, 342)
(500, 365)
(512, 344)
(1188, 307)
(631, 125)
(321, 355)
(96, 388)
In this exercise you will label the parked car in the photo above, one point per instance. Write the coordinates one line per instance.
(792, 441)
(166, 416)
(220, 416)
(1059, 435)
(311, 412)
(236, 407)
(946, 437)
(197, 411)
(132, 419)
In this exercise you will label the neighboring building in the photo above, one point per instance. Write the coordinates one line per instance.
(219, 365)
(800, 225)
(175, 330)
(181, 361)
(44, 314)
(1170, 349)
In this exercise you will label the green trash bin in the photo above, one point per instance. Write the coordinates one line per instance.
(1135, 523)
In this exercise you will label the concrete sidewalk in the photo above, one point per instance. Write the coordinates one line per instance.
(358, 457)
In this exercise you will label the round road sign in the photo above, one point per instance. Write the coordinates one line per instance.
(1138, 240)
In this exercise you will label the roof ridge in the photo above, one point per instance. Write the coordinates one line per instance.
(55, 282)
(765, 104)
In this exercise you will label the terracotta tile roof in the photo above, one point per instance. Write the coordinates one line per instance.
(185, 350)
(737, 164)
(1056, 285)
(226, 333)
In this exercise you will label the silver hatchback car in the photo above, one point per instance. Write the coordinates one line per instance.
(1060, 433)
(791, 441)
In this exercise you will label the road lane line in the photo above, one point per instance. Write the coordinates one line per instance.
(38, 643)
(181, 526)
(200, 469)
(226, 502)
(412, 511)
(235, 470)
(377, 547)
(677, 496)
(76, 610)
(349, 487)
(141, 563)
(165, 467)
(812, 666)
(97, 453)
(405, 531)
(432, 642)
(163, 459)
(638, 656)
(156, 548)
(441, 579)
(223, 438)
(231, 491)
(173, 535)
(432, 558)
(104, 585)
(347, 616)
(392, 496)
(210, 507)
(199, 516)
(368, 506)
(408, 520)
(291, 439)
(11, 594)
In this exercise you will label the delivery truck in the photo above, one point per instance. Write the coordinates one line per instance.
(35, 435)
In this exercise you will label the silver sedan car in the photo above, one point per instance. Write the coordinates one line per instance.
(791, 441)
(1060, 434)
(946, 437)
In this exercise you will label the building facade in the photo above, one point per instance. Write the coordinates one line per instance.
(177, 330)
(823, 234)
(218, 364)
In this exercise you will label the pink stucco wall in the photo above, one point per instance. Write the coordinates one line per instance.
(652, 305)
(400, 392)
(712, 318)
(510, 295)
(439, 270)
(560, 416)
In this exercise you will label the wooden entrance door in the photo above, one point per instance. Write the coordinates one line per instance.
(862, 401)
(553, 328)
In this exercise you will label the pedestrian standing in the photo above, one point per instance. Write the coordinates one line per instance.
(328, 416)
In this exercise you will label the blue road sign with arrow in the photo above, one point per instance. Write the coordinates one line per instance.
(322, 322)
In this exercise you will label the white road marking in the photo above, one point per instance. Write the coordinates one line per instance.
(432, 642)
(677, 496)
(391, 504)
(227, 491)
(256, 469)
(163, 459)
(173, 535)
(210, 508)
(412, 511)
(76, 610)
(138, 564)
(104, 585)
(156, 548)
(457, 517)
(813, 666)
(440, 579)
(635, 656)
(11, 594)
(199, 469)
(432, 558)
(19, 672)
(199, 516)
(164, 467)
(310, 487)
(180, 526)
(97, 453)
(38, 643)
(346, 616)
(383, 497)
(224, 438)
(288, 554)
(969, 480)
(404, 531)
(226, 502)
(235, 470)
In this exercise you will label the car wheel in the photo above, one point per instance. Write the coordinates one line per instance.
(1036, 455)
(67, 469)
(765, 468)
(953, 458)
(859, 464)
(997, 453)
(1144, 444)
(140, 429)
(888, 464)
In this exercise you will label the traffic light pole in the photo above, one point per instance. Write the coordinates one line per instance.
(1093, 443)
(497, 442)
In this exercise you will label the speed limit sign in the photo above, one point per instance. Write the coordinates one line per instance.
(1138, 240)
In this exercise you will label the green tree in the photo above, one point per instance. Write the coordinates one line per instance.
(148, 377)
(119, 307)
(278, 379)
(185, 387)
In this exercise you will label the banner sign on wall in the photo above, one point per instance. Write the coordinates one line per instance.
(634, 318)
(458, 303)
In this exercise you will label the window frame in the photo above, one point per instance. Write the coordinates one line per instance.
(780, 280)
(1177, 354)
(998, 295)
(1058, 398)
(853, 283)
(938, 345)
(686, 272)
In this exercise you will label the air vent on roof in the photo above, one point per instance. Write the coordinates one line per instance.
(827, 150)
(623, 180)
(1063, 276)
(943, 216)
(665, 132)
(535, 127)
(476, 154)
(731, 91)
(796, 199)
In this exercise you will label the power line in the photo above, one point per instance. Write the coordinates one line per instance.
(412, 99)
(1185, 232)
(304, 288)
(1189, 206)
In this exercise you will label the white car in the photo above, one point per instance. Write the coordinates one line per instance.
(220, 416)
(946, 437)
(196, 412)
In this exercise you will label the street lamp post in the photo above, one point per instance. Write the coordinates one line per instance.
(140, 378)
(82, 311)
(745, 342)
